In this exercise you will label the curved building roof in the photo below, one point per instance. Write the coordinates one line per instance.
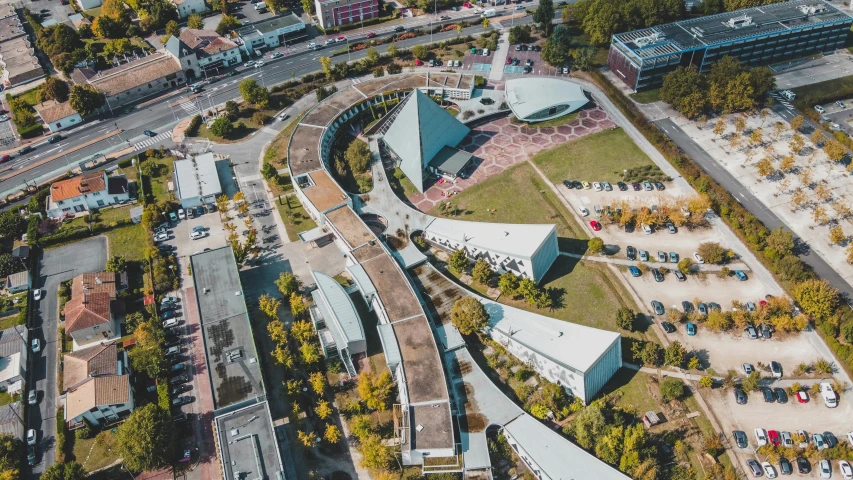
(528, 96)
(345, 323)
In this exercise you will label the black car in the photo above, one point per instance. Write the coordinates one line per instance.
(680, 276)
(55, 138)
(785, 466)
(623, 187)
(629, 228)
(27, 149)
(714, 306)
(781, 395)
(740, 439)
(179, 379)
(803, 465)
(765, 331)
(740, 396)
(667, 327)
(768, 395)
(180, 389)
(444, 17)
(568, 184)
(31, 455)
(399, 28)
(631, 252)
(149, 133)
(658, 276)
(687, 306)
(830, 439)
(659, 186)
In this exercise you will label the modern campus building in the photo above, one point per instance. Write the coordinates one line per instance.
(334, 13)
(336, 320)
(421, 136)
(759, 35)
(539, 99)
(525, 250)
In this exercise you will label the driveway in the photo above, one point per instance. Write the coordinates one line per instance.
(55, 266)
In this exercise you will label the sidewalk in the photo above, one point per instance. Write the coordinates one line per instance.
(625, 262)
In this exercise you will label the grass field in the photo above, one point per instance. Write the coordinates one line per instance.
(91, 455)
(518, 195)
(129, 241)
(295, 218)
(277, 151)
(595, 158)
(30, 96)
(648, 96)
(554, 122)
(401, 184)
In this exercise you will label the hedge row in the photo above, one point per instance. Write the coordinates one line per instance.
(78, 233)
(61, 432)
(33, 130)
(748, 228)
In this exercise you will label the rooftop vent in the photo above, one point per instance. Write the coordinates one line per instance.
(739, 21)
(649, 39)
(812, 9)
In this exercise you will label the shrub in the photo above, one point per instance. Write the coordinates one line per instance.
(192, 128)
(260, 118)
(672, 389)
(30, 131)
(394, 69)
(378, 72)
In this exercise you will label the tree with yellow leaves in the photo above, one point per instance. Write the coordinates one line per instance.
(796, 144)
(778, 130)
(819, 215)
(836, 235)
(269, 306)
(735, 141)
(764, 167)
(850, 253)
(822, 192)
(332, 434)
(756, 138)
(798, 199)
(302, 331)
(297, 305)
(318, 382)
(787, 163)
(719, 127)
(818, 137)
(740, 124)
(842, 209)
(796, 122)
(834, 149)
(282, 356)
(277, 331)
(323, 409)
(375, 391)
(307, 439)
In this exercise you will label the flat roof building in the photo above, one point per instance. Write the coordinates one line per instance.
(337, 322)
(140, 78)
(197, 180)
(247, 444)
(758, 35)
(271, 33)
(539, 99)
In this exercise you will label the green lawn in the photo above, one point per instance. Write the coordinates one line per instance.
(6, 398)
(822, 92)
(295, 219)
(518, 195)
(599, 157)
(555, 122)
(401, 184)
(648, 96)
(128, 241)
(91, 456)
(30, 96)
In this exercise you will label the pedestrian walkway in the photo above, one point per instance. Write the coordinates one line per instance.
(150, 142)
(190, 106)
(627, 262)
(499, 57)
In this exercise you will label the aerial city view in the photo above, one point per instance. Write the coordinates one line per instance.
(403, 239)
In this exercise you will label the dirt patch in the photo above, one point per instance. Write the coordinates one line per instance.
(476, 422)
(465, 368)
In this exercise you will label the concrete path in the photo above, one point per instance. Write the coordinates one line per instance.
(626, 262)
(499, 57)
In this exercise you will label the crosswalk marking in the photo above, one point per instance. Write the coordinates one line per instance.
(152, 141)
(190, 107)
(782, 101)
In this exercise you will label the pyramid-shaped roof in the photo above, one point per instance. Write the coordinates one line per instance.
(420, 130)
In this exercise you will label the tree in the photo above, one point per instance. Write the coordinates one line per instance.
(64, 471)
(307, 6)
(195, 22)
(318, 382)
(269, 306)
(287, 283)
(297, 305)
(684, 89)
(625, 319)
(11, 450)
(673, 355)
(583, 58)
(712, 252)
(173, 29)
(54, 89)
(374, 453)
(222, 127)
(302, 331)
(277, 331)
(797, 122)
(685, 265)
(834, 149)
(323, 409)
(227, 24)
(232, 110)
(310, 353)
(458, 261)
(332, 434)
(544, 14)
(816, 297)
(469, 316)
(836, 235)
(357, 156)
(508, 284)
(254, 93)
(372, 56)
(595, 245)
(420, 52)
(147, 355)
(85, 99)
(375, 391)
(672, 389)
(764, 167)
(818, 137)
(145, 441)
(706, 381)
(482, 271)
(588, 426)
(752, 382)
(486, 24)
(307, 439)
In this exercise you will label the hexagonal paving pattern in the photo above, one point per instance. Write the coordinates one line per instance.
(500, 144)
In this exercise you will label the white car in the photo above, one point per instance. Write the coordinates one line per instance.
(33, 397)
(182, 214)
(583, 211)
(698, 257)
(283, 116)
(596, 186)
(825, 469)
(846, 470)
(195, 235)
(850, 438)
(259, 64)
(172, 322)
(830, 398)
(161, 237)
(819, 109)
(312, 46)
(36, 344)
(275, 54)
(31, 436)
(37, 294)
(250, 63)
(818, 441)
(768, 469)
(760, 437)
(4, 118)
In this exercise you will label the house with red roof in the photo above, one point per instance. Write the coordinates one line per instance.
(84, 192)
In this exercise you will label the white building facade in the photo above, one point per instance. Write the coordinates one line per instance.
(189, 7)
(197, 180)
(86, 192)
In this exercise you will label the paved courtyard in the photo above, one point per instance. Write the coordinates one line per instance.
(501, 144)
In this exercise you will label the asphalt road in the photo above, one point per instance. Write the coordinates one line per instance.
(752, 204)
(161, 116)
(55, 266)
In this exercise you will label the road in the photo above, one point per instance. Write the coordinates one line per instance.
(752, 204)
(55, 266)
(162, 115)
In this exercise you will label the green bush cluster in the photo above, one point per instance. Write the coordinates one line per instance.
(192, 128)
(652, 173)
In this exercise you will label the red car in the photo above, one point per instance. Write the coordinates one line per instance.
(466, 5)
(802, 397)
(773, 436)
(370, 35)
(418, 62)
(595, 225)
(5, 158)
(509, 60)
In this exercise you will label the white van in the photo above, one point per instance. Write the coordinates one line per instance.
(489, 13)
(485, 52)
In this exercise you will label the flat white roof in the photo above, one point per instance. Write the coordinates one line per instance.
(10, 367)
(526, 96)
(556, 456)
(575, 346)
(516, 240)
(197, 177)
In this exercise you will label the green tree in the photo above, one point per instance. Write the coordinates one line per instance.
(222, 127)
(816, 297)
(672, 389)
(458, 261)
(287, 284)
(752, 382)
(227, 24)
(685, 265)
(595, 245)
(780, 240)
(11, 450)
(326, 63)
(713, 252)
(117, 47)
(375, 391)
(625, 318)
(508, 284)
(173, 29)
(420, 52)
(706, 381)
(589, 425)
(12, 225)
(310, 353)
(64, 471)
(374, 453)
(145, 441)
(357, 156)
(195, 22)
(685, 89)
(544, 14)
(147, 355)
(392, 51)
(482, 271)
(307, 6)
(232, 110)
(254, 93)
(117, 264)
(54, 89)
(372, 56)
(85, 99)
(674, 354)
(469, 316)
(583, 58)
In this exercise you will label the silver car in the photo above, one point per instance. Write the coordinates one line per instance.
(825, 469)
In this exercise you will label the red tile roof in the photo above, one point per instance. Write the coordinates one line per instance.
(95, 361)
(74, 187)
(86, 311)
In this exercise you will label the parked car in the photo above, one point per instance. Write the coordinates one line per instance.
(170, 323)
(691, 328)
(622, 186)
(776, 368)
(740, 396)
(686, 306)
(583, 211)
(765, 330)
(741, 276)
(178, 367)
(768, 469)
(631, 252)
(830, 439)
(644, 256)
(673, 257)
(846, 470)
(747, 368)
(760, 437)
(634, 271)
(595, 225)
(596, 186)
(750, 332)
(787, 441)
(661, 256)
(31, 455)
(668, 327)
(803, 465)
(647, 186)
(773, 437)
(647, 229)
(36, 345)
(679, 276)
(802, 397)
(167, 315)
(161, 237)
(657, 307)
(741, 439)
(698, 257)
(753, 467)
(671, 228)
(178, 379)
(781, 395)
(182, 214)
(658, 276)
(607, 186)
(830, 398)
(32, 436)
(818, 441)
(169, 299)
(196, 235)
(825, 468)
(177, 402)
(819, 109)
(768, 395)
(33, 397)
(702, 308)
(370, 35)
(785, 466)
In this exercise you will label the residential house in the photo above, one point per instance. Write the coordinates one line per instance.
(58, 115)
(89, 4)
(334, 13)
(18, 282)
(12, 421)
(110, 283)
(14, 351)
(89, 319)
(197, 180)
(189, 7)
(135, 80)
(211, 51)
(99, 360)
(271, 33)
(100, 401)
(85, 192)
